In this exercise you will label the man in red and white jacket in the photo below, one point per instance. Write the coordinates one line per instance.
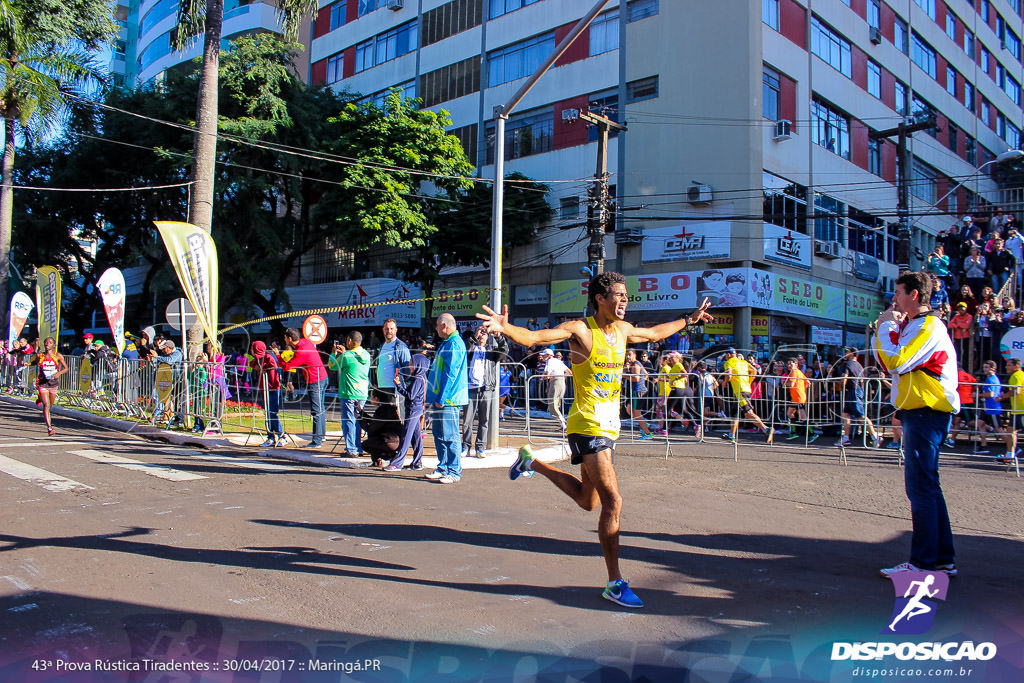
(308, 358)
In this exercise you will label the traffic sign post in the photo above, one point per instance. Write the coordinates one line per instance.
(314, 328)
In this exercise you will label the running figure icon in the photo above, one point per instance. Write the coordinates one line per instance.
(915, 607)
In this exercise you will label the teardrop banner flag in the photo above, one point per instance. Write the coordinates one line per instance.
(21, 308)
(111, 286)
(48, 285)
(194, 256)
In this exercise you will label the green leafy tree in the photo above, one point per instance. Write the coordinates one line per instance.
(206, 17)
(272, 207)
(44, 58)
(463, 236)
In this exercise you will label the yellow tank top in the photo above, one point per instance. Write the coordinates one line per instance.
(598, 383)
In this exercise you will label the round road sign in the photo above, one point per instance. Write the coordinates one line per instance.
(314, 328)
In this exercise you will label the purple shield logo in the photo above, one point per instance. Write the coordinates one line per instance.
(916, 593)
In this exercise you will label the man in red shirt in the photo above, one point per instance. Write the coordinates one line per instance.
(308, 358)
(965, 418)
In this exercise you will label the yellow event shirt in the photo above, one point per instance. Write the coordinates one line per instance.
(598, 383)
(1017, 400)
(740, 375)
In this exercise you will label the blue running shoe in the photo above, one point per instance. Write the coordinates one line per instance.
(620, 593)
(523, 464)
(644, 437)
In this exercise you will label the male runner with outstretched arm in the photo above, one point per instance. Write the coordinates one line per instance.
(597, 348)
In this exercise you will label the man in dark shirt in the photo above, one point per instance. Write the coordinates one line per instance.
(1001, 262)
(849, 376)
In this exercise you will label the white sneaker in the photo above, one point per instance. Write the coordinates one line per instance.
(436, 474)
(877, 442)
(845, 441)
(449, 479)
(898, 569)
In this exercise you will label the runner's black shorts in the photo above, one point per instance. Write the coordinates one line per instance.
(584, 444)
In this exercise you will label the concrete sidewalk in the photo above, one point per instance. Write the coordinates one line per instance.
(330, 455)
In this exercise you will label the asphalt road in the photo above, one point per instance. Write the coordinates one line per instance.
(117, 552)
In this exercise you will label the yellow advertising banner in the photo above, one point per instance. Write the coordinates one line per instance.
(164, 382)
(85, 376)
(759, 325)
(194, 256)
(48, 286)
(723, 323)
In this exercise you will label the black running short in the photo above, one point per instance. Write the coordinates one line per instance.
(584, 444)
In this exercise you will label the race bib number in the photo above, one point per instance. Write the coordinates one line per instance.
(607, 415)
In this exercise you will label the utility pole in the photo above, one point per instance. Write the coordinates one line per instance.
(599, 210)
(903, 132)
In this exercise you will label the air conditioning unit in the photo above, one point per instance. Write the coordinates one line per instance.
(875, 34)
(782, 130)
(570, 115)
(629, 235)
(395, 5)
(699, 194)
(829, 250)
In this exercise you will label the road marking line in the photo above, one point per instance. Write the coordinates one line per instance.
(49, 442)
(48, 480)
(250, 464)
(152, 469)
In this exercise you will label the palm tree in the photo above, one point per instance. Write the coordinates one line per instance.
(195, 17)
(44, 60)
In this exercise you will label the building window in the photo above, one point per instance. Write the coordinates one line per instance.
(770, 94)
(923, 181)
(407, 90)
(984, 9)
(449, 19)
(524, 135)
(901, 98)
(986, 113)
(829, 218)
(921, 110)
(335, 68)
(923, 55)
(467, 136)
(831, 47)
(338, 14)
(386, 46)
(770, 13)
(156, 14)
(604, 33)
(1010, 86)
(569, 207)
(641, 9)
(499, 7)
(951, 26)
(874, 14)
(1011, 133)
(968, 95)
(865, 234)
(875, 156)
(518, 60)
(928, 6)
(830, 128)
(970, 150)
(874, 79)
(367, 6)
(984, 60)
(954, 133)
(605, 103)
(642, 89)
(450, 82)
(785, 203)
(969, 43)
(900, 36)
(951, 80)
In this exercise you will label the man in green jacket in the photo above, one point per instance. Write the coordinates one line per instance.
(353, 385)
